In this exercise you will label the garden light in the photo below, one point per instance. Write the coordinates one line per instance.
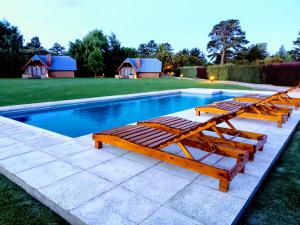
(212, 78)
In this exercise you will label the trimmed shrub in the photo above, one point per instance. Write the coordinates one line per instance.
(202, 72)
(188, 71)
(220, 72)
(193, 71)
(242, 73)
(286, 74)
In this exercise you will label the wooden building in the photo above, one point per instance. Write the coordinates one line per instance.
(139, 68)
(44, 66)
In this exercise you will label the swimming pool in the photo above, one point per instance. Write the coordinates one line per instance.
(82, 119)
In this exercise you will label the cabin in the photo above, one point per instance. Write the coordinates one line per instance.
(139, 68)
(44, 66)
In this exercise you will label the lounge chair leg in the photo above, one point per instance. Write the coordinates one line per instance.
(251, 156)
(98, 144)
(223, 185)
(238, 160)
(242, 170)
(197, 113)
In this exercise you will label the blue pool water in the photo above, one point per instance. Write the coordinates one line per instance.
(84, 119)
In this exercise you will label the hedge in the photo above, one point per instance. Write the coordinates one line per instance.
(242, 73)
(286, 74)
(193, 71)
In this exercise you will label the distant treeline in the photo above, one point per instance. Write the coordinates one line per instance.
(99, 54)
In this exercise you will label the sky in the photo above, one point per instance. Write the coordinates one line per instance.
(182, 23)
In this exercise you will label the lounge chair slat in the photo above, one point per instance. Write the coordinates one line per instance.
(137, 133)
(191, 125)
(132, 131)
(159, 140)
(177, 123)
(119, 131)
(159, 135)
(144, 135)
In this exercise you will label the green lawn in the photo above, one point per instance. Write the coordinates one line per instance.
(20, 91)
(278, 199)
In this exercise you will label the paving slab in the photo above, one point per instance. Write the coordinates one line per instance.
(65, 149)
(6, 141)
(44, 142)
(29, 135)
(26, 161)
(165, 216)
(48, 173)
(68, 193)
(117, 206)
(118, 169)
(2, 135)
(176, 170)
(241, 186)
(156, 185)
(114, 150)
(89, 158)
(14, 149)
(206, 205)
(86, 139)
(139, 158)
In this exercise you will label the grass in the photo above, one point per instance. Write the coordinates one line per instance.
(18, 207)
(278, 199)
(21, 91)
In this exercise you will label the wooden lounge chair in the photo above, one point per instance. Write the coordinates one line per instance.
(224, 137)
(256, 111)
(279, 98)
(152, 141)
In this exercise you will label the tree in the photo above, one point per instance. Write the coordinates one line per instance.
(186, 57)
(180, 58)
(57, 49)
(129, 52)
(282, 53)
(295, 53)
(11, 43)
(252, 53)
(200, 58)
(227, 39)
(147, 50)
(115, 55)
(82, 49)
(34, 43)
(95, 61)
(164, 54)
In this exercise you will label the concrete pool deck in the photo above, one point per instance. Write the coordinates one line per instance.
(114, 186)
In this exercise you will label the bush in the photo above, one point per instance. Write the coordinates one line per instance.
(202, 72)
(286, 74)
(242, 73)
(220, 72)
(193, 71)
(188, 71)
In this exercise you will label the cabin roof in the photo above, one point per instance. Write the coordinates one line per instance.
(148, 65)
(62, 63)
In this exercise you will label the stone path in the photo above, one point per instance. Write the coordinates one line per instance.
(114, 186)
